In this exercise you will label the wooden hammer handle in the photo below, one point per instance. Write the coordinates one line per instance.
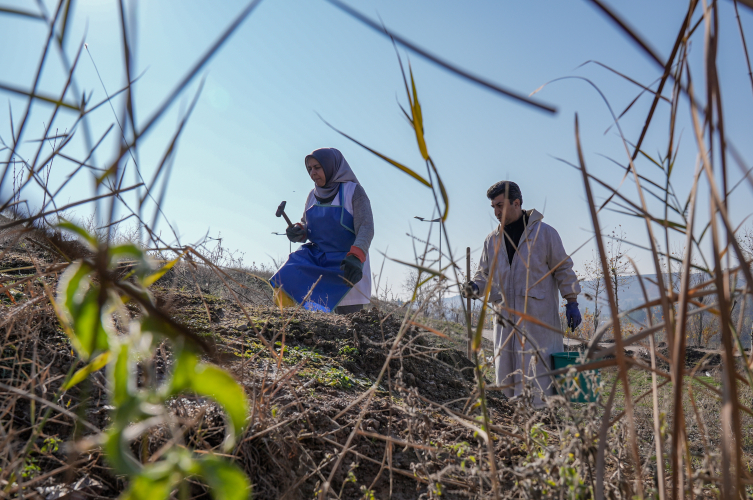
(286, 218)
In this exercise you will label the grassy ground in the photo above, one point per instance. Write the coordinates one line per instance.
(305, 396)
(321, 390)
(701, 409)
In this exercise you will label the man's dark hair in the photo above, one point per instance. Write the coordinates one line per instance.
(502, 187)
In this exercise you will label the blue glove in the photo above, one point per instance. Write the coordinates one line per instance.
(572, 314)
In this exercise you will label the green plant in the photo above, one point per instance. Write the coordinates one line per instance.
(348, 351)
(30, 468)
(350, 478)
(31, 462)
(366, 493)
(461, 450)
(574, 486)
(335, 377)
(50, 445)
(298, 353)
(90, 302)
(539, 439)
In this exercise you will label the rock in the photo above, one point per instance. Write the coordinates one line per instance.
(372, 424)
(217, 315)
(455, 358)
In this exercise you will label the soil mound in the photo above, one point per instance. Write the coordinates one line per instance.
(693, 358)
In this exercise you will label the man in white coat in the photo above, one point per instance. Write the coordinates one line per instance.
(532, 269)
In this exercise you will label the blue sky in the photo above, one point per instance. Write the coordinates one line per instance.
(243, 149)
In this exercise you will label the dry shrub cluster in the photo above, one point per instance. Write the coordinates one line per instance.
(397, 396)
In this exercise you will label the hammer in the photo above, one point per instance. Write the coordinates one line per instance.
(281, 212)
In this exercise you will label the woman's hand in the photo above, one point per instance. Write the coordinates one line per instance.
(296, 232)
(353, 268)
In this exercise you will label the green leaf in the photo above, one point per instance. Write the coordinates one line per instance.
(225, 479)
(71, 282)
(118, 455)
(126, 250)
(68, 287)
(120, 377)
(146, 488)
(129, 250)
(156, 481)
(184, 371)
(79, 300)
(90, 240)
(87, 325)
(96, 364)
(213, 382)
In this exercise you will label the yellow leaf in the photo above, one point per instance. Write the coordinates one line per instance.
(380, 155)
(96, 364)
(442, 190)
(418, 121)
(430, 329)
(149, 280)
(110, 171)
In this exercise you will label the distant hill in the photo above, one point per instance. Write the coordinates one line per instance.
(630, 295)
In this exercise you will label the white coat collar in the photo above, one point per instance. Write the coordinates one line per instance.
(534, 216)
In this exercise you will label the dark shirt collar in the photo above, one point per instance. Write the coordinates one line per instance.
(519, 225)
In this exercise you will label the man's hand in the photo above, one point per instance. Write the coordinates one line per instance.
(353, 268)
(469, 289)
(296, 232)
(572, 315)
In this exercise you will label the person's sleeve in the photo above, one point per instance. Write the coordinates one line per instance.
(363, 222)
(563, 273)
(482, 272)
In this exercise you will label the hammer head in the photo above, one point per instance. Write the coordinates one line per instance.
(280, 209)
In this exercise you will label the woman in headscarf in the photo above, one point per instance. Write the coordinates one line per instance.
(339, 227)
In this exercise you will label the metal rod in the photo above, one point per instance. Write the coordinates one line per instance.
(469, 317)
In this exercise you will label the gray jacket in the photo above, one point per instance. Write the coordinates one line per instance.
(363, 219)
(539, 250)
(530, 286)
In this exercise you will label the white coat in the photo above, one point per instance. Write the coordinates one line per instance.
(517, 287)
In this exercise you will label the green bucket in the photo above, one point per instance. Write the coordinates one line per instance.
(585, 389)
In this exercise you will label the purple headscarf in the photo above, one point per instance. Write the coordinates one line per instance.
(336, 170)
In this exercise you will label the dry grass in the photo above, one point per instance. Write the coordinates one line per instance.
(379, 403)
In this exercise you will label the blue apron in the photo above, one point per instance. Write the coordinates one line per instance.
(330, 234)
